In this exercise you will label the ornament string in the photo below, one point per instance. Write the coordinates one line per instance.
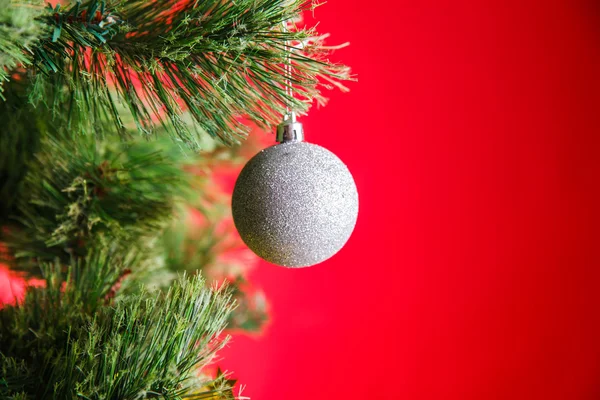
(288, 75)
(289, 129)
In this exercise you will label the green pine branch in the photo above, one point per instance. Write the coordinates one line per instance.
(219, 60)
(19, 30)
(70, 339)
(87, 204)
(198, 248)
(77, 191)
(19, 141)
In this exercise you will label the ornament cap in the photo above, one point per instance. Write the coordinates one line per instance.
(290, 130)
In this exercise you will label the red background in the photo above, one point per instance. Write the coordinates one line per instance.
(473, 135)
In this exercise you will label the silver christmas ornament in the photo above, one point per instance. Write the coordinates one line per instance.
(295, 204)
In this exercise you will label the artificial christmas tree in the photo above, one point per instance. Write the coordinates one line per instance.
(113, 115)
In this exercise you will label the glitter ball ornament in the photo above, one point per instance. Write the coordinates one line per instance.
(295, 204)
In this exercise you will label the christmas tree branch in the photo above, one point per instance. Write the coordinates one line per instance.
(79, 189)
(144, 346)
(89, 202)
(19, 30)
(219, 60)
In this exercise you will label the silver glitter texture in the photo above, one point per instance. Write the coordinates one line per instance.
(295, 204)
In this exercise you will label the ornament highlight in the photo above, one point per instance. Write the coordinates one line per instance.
(295, 204)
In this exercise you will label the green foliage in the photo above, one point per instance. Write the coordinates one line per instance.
(220, 60)
(19, 140)
(80, 189)
(19, 29)
(94, 201)
(201, 247)
(69, 339)
(103, 258)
